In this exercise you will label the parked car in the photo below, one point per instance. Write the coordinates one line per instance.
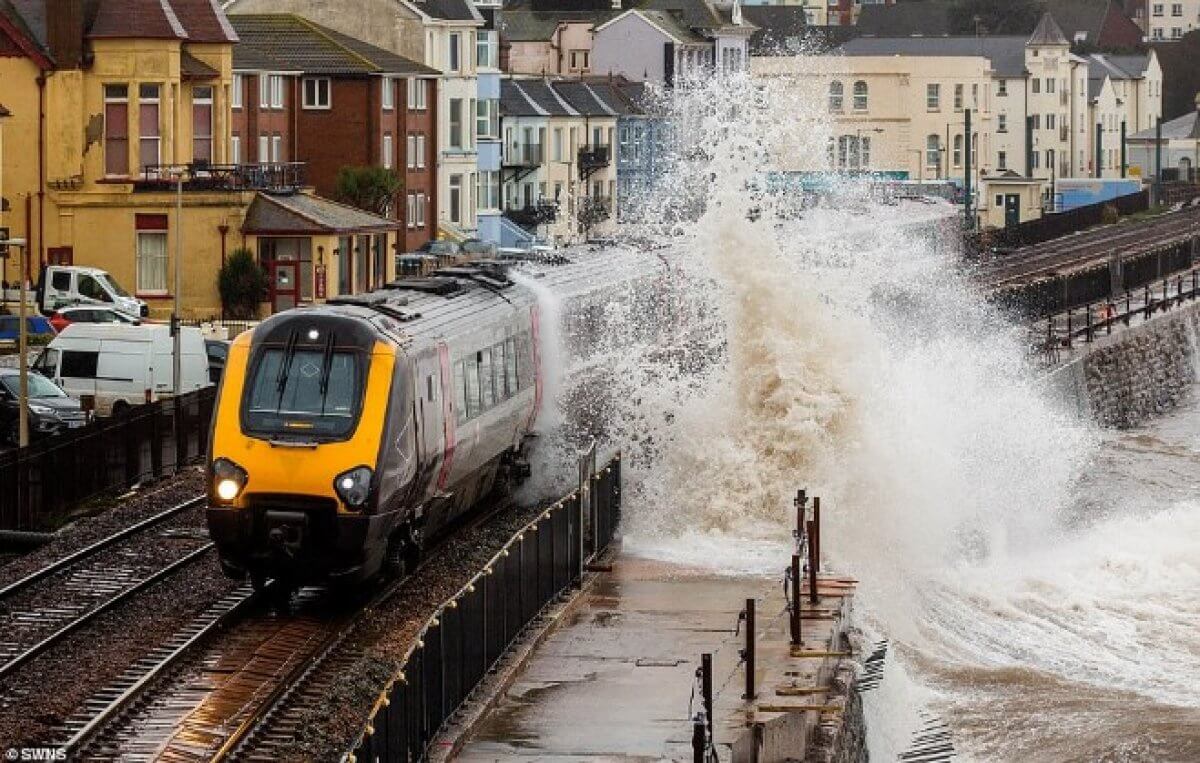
(51, 410)
(122, 366)
(64, 285)
(38, 330)
(218, 353)
(68, 315)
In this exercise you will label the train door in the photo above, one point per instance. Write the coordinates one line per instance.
(427, 395)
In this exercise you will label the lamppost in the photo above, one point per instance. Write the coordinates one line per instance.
(176, 330)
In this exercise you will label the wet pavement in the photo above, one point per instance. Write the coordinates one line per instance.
(615, 679)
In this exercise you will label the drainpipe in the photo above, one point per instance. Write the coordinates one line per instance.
(41, 236)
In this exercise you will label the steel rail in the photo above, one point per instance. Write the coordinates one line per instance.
(87, 551)
(92, 614)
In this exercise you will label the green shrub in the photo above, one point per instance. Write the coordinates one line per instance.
(243, 284)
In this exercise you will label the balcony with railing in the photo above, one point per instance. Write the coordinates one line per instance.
(523, 155)
(594, 157)
(533, 215)
(269, 177)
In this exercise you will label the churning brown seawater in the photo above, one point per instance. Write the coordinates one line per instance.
(1087, 649)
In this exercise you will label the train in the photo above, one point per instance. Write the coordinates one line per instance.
(348, 435)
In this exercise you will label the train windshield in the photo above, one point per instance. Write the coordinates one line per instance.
(306, 393)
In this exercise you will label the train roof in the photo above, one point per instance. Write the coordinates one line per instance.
(453, 301)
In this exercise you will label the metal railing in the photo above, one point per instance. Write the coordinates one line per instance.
(541, 213)
(45, 481)
(271, 177)
(1086, 323)
(472, 630)
(593, 156)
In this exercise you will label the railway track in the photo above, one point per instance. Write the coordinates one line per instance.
(1089, 247)
(242, 694)
(45, 607)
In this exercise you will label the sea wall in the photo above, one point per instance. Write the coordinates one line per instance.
(1136, 373)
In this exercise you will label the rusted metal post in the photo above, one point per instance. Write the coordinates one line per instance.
(748, 653)
(699, 739)
(800, 503)
(794, 575)
(1148, 308)
(706, 687)
(812, 568)
(815, 535)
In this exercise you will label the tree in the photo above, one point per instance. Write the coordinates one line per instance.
(242, 284)
(371, 189)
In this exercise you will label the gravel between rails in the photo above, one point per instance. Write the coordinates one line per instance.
(329, 730)
(152, 499)
(53, 685)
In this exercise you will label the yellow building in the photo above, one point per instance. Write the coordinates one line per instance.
(117, 106)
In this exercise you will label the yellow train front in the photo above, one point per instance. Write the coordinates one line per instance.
(312, 460)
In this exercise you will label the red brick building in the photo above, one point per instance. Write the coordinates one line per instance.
(306, 93)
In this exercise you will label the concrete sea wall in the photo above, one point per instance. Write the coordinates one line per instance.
(1136, 373)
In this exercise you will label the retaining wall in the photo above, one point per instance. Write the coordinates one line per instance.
(1138, 372)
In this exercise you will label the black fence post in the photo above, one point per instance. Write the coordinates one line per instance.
(1070, 328)
(748, 652)
(706, 688)
(1088, 329)
(794, 578)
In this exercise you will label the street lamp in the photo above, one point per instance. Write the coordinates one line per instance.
(176, 332)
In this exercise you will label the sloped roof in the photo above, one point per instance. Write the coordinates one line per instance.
(581, 98)
(1006, 54)
(29, 17)
(927, 19)
(781, 28)
(249, 58)
(522, 25)
(190, 20)
(1048, 32)
(1134, 66)
(304, 213)
(193, 68)
(302, 45)
(514, 102)
(136, 19)
(203, 20)
(1186, 127)
(450, 10)
(540, 92)
(617, 101)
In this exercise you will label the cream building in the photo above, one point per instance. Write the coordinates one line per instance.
(1172, 19)
(899, 106)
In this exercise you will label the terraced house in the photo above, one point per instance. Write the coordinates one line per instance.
(109, 100)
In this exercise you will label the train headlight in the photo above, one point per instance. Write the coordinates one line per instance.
(354, 486)
(228, 479)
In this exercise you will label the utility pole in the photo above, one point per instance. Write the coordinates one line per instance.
(22, 346)
(176, 332)
(1099, 149)
(1124, 158)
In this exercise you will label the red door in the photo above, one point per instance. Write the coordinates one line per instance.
(284, 285)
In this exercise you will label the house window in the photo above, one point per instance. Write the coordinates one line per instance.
(149, 139)
(488, 190)
(1050, 84)
(421, 151)
(151, 253)
(558, 144)
(958, 97)
(1002, 123)
(411, 95)
(1002, 87)
(1002, 160)
(1176, 32)
(487, 119)
(202, 123)
(277, 148)
(264, 149)
(835, 96)
(933, 97)
(388, 87)
(1176, 9)
(1049, 158)
(411, 145)
(420, 210)
(116, 129)
(456, 131)
(452, 52)
(387, 150)
(1050, 120)
(958, 150)
(235, 149)
(277, 91)
(264, 91)
(235, 95)
(933, 149)
(455, 198)
(860, 96)
(316, 93)
(579, 60)
(411, 209)
(1158, 33)
(487, 52)
(1158, 9)
(1035, 85)
(422, 86)
(1037, 121)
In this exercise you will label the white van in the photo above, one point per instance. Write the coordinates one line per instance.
(65, 285)
(121, 365)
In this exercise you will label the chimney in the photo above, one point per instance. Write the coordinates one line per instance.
(64, 32)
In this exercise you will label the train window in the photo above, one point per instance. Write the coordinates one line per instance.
(510, 365)
(460, 388)
(485, 379)
(471, 364)
(498, 371)
(304, 393)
